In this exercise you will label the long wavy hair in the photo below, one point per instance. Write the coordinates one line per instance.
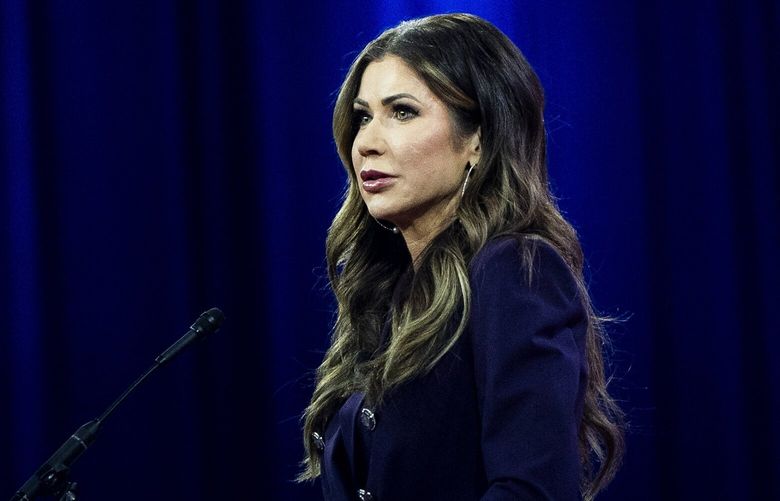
(486, 83)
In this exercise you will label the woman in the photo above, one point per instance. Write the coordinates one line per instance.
(466, 359)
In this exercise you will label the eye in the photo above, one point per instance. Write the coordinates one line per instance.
(360, 118)
(404, 112)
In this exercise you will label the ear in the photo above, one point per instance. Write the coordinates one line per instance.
(474, 146)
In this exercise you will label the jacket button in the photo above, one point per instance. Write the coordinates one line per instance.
(319, 443)
(364, 495)
(367, 419)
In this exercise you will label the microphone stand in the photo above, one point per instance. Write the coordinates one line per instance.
(52, 478)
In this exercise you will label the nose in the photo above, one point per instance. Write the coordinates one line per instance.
(370, 139)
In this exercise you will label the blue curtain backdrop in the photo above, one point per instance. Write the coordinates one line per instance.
(160, 158)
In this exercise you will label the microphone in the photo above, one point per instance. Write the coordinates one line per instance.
(52, 477)
(206, 324)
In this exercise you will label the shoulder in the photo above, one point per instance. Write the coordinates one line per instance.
(524, 261)
(527, 336)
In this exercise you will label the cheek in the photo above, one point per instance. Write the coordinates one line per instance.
(356, 162)
(432, 155)
(355, 157)
(418, 145)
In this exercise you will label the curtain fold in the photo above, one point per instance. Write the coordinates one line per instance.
(161, 158)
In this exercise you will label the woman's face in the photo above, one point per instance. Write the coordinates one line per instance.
(409, 163)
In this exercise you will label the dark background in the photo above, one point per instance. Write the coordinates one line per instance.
(160, 158)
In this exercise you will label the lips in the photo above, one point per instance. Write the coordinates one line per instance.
(375, 181)
(371, 174)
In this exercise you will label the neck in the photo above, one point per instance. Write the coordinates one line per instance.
(416, 247)
(419, 233)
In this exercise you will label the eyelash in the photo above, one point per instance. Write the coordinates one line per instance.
(359, 115)
(411, 112)
(357, 118)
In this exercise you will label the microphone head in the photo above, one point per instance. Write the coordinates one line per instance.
(208, 322)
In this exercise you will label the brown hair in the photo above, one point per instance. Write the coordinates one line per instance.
(486, 82)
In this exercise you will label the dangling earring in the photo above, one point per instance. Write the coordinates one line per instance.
(394, 229)
(463, 191)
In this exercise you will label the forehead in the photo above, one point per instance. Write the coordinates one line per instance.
(389, 76)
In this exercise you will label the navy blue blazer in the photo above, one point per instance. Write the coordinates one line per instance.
(497, 417)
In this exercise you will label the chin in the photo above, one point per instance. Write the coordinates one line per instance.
(384, 217)
(384, 213)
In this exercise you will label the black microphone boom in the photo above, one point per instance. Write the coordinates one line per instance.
(52, 477)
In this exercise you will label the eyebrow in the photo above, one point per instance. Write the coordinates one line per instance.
(388, 99)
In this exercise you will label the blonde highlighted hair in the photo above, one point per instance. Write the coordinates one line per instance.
(486, 83)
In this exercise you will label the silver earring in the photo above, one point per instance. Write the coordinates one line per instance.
(463, 191)
(394, 229)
